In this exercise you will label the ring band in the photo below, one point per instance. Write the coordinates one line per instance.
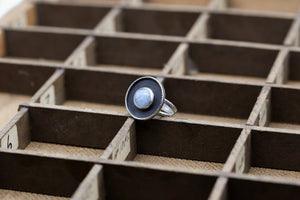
(145, 98)
(168, 109)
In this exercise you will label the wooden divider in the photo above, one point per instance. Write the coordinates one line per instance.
(232, 73)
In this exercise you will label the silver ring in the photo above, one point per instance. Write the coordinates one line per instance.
(145, 98)
(168, 109)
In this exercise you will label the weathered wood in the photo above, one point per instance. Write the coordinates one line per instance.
(232, 73)
(69, 16)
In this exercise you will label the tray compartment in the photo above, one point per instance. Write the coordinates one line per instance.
(106, 91)
(247, 189)
(284, 108)
(38, 46)
(248, 28)
(66, 133)
(36, 177)
(274, 153)
(125, 54)
(228, 62)
(181, 145)
(137, 182)
(157, 22)
(290, 69)
(266, 153)
(212, 101)
(81, 88)
(18, 83)
(69, 16)
(133, 53)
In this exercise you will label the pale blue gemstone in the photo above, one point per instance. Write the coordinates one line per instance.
(143, 98)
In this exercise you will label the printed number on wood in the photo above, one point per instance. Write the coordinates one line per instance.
(10, 140)
(48, 97)
(123, 148)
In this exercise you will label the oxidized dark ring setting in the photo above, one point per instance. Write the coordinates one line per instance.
(145, 98)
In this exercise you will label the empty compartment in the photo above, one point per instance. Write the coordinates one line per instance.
(33, 177)
(91, 89)
(18, 83)
(181, 2)
(182, 145)
(137, 182)
(266, 5)
(285, 108)
(275, 154)
(212, 101)
(230, 62)
(249, 189)
(69, 15)
(248, 28)
(37, 46)
(66, 133)
(158, 22)
(292, 68)
(126, 54)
